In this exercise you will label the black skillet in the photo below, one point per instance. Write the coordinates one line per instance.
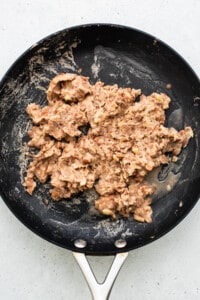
(112, 54)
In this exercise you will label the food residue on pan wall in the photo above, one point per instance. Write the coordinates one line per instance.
(168, 86)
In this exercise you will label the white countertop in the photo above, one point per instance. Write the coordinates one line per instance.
(31, 268)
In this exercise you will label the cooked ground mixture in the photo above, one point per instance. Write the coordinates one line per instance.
(125, 139)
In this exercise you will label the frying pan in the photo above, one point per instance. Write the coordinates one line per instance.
(112, 54)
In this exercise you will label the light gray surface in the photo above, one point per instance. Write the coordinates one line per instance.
(31, 268)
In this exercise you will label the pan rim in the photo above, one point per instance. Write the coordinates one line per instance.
(51, 35)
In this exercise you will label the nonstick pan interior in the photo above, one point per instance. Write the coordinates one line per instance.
(112, 54)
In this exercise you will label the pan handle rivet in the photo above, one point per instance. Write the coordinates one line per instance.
(120, 243)
(80, 243)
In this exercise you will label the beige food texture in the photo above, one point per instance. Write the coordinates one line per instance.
(126, 140)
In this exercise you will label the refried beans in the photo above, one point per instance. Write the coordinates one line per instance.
(124, 141)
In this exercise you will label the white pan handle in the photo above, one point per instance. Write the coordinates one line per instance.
(100, 291)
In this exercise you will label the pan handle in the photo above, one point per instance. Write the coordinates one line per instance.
(100, 291)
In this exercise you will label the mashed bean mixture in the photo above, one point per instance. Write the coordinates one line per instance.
(125, 140)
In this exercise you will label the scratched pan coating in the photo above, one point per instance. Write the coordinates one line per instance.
(112, 54)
